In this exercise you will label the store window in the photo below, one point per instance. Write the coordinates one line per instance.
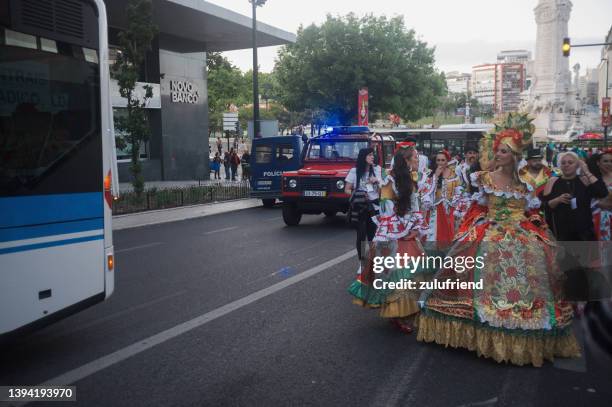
(125, 154)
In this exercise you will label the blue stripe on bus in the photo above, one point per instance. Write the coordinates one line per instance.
(50, 244)
(32, 232)
(45, 209)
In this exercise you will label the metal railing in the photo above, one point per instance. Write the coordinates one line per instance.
(153, 199)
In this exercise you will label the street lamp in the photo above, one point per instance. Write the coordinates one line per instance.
(256, 127)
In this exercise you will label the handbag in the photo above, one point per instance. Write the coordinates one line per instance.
(358, 203)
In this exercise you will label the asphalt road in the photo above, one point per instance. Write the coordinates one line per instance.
(262, 323)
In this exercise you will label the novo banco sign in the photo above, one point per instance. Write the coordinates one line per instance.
(184, 92)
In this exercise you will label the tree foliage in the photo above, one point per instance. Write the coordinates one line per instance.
(327, 65)
(135, 41)
(226, 86)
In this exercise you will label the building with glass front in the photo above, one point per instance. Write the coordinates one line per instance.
(175, 67)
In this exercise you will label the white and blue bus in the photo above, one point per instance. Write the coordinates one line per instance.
(57, 161)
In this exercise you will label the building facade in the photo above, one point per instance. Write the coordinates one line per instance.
(498, 87)
(457, 82)
(518, 56)
(175, 67)
(588, 87)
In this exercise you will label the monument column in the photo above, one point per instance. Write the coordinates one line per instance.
(550, 93)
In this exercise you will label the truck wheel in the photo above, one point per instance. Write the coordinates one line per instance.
(268, 203)
(329, 214)
(291, 214)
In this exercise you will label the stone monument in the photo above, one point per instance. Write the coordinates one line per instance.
(550, 95)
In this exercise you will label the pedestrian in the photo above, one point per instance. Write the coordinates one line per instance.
(234, 163)
(534, 172)
(226, 164)
(569, 214)
(463, 170)
(246, 165)
(441, 193)
(363, 184)
(216, 166)
(400, 224)
(567, 199)
(219, 145)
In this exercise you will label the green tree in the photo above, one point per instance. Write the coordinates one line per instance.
(226, 86)
(327, 65)
(135, 41)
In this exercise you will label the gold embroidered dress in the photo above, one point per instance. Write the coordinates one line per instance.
(517, 316)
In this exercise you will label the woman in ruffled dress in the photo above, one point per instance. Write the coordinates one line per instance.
(517, 316)
(441, 193)
(399, 226)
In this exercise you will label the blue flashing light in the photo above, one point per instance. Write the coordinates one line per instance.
(348, 130)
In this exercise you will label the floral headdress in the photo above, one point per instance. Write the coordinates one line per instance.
(515, 130)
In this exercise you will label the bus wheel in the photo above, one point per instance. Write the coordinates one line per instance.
(268, 203)
(330, 213)
(291, 214)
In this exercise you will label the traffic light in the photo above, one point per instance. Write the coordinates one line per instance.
(566, 47)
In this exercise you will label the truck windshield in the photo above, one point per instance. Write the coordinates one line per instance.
(335, 149)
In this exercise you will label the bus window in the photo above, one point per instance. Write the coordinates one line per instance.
(437, 145)
(51, 141)
(263, 154)
(388, 152)
(285, 152)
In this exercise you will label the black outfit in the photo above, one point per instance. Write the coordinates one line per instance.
(366, 228)
(473, 168)
(569, 224)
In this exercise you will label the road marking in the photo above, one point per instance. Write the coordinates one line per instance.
(274, 218)
(97, 365)
(221, 230)
(144, 246)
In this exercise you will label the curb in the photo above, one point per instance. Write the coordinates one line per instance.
(130, 221)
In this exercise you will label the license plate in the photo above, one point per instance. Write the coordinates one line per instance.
(315, 193)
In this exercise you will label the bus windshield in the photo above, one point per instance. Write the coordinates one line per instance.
(50, 140)
(330, 149)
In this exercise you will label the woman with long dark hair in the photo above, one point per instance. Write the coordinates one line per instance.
(365, 178)
(440, 194)
(399, 227)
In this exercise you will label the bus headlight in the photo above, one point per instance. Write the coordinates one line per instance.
(292, 183)
(340, 184)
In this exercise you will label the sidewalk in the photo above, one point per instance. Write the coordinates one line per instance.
(127, 186)
(135, 220)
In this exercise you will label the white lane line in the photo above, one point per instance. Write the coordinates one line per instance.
(221, 230)
(144, 246)
(97, 365)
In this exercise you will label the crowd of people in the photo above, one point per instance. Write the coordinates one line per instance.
(501, 201)
(231, 159)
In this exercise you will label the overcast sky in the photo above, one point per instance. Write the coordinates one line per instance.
(465, 33)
